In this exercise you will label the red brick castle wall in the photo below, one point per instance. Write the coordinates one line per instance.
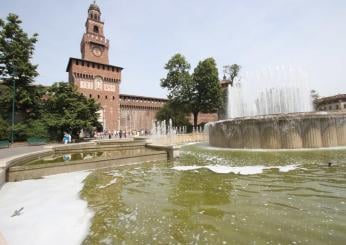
(96, 78)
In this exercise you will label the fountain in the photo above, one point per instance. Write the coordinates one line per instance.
(279, 117)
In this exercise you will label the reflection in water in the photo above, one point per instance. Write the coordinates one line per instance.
(66, 157)
(155, 204)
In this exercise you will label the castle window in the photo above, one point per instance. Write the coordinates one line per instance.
(77, 63)
(106, 97)
(82, 63)
(98, 96)
(112, 68)
(96, 29)
(90, 96)
(114, 99)
(93, 65)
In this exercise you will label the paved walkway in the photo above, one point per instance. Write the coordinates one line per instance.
(18, 150)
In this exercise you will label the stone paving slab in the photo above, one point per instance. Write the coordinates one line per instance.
(20, 150)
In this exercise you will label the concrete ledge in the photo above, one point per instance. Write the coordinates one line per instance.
(281, 131)
(173, 151)
(10, 172)
(8, 162)
(18, 173)
(106, 145)
(2, 176)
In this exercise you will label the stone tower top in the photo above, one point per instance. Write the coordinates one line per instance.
(95, 7)
(94, 45)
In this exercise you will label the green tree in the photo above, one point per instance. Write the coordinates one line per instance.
(4, 128)
(171, 111)
(67, 109)
(178, 80)
(5, 101)
(16, 52)
(206, 94)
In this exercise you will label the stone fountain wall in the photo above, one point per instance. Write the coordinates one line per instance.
(281, 131)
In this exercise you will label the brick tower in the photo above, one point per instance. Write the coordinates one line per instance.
(93, 75)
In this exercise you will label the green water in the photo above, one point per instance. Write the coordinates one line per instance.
(155, 204)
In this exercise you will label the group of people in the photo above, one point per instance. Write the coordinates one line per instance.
(119, 134)
(109, 134)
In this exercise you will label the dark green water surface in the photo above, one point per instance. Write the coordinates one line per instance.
(155, 204)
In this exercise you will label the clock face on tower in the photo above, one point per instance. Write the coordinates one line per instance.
(97, 51)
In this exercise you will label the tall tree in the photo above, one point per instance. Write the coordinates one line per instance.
(67, 109)
(207, 93)
(178, 80)
(231, 72)
(16, 51)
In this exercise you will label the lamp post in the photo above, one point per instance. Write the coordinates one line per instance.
(13, 108)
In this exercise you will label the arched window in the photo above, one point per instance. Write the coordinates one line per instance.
(89, 95)
(96, 29)
(98, 96)
(106, 97)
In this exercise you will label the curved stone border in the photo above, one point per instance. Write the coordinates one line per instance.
(281, 131)
(9, 171)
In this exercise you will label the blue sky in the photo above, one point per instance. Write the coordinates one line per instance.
(309, 34)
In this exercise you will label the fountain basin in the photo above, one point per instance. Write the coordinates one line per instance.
(77, 157)
(281, 131)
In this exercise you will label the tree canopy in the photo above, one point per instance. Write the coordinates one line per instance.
(16, 51)
(207, 95)
(178, 80)
(199, 92)
(40, 111)
(67, 109)
(174, 112)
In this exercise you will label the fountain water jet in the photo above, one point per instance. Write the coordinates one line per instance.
(279, 117)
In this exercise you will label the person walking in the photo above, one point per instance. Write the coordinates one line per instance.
(67, 138)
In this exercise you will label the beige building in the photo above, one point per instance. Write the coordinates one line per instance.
(331, 103)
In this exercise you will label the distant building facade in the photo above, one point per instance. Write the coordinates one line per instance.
(96, 78)
(331, 103)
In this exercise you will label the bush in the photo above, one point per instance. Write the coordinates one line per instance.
(37, 128)
(5, 129)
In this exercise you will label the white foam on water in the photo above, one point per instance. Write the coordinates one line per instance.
(287, 168)
(113, 181)
(243, 170)
(186, 168)
(52, 213)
